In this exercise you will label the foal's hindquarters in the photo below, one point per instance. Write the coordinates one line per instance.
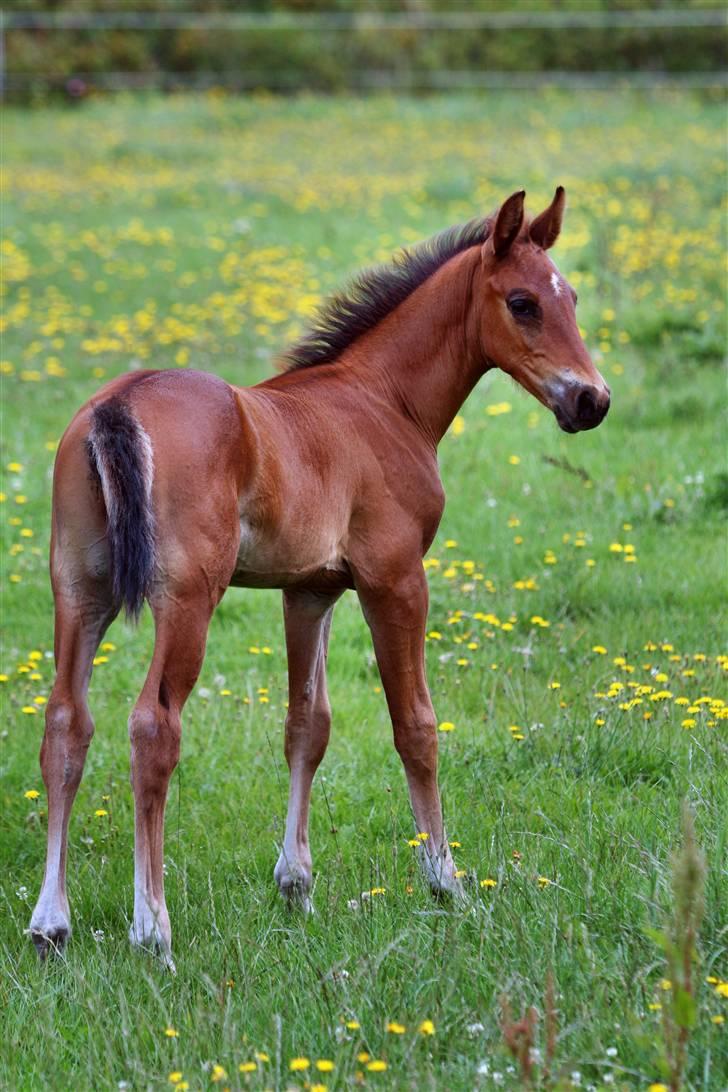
(194, 540)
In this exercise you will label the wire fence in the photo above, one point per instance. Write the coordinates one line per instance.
(515, 19)
(381, 80)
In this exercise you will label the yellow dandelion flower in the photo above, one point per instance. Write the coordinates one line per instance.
(31, 794)
(446, 726)
(396, 1029)
(218, 1073)
(171, 1032)
(377, 1066)
(488, 882)
(248, 1067)
(298, 1065)
(426, 1028)
(324, 1065)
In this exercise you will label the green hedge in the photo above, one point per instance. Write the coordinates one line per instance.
(40, 61)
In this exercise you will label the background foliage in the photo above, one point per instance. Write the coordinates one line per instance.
(43, 60)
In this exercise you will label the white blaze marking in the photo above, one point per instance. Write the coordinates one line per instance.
(556, 284)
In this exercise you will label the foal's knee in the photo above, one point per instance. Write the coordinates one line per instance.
(154, 733)
(415, 738)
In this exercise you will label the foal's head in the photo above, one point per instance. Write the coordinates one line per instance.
(529, 322)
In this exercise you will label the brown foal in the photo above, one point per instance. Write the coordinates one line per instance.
(170, 486)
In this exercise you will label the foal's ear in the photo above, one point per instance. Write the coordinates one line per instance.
(545, 229)
(508, 223)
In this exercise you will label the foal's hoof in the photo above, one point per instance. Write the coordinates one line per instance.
(294, 884)
(453, 893)
(296, 893)
(440, 874)
(50, 928)
(156, 948)
(51, 941)
(296, 896)
(151, 939)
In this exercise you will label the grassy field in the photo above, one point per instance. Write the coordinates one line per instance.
(575, 627)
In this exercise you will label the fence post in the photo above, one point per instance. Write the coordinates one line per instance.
(2, 56)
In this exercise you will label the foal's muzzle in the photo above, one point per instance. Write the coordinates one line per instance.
(582, 407)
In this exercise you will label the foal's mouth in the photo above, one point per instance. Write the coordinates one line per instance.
(563, 421)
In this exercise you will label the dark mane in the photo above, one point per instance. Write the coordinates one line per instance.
(375, 292)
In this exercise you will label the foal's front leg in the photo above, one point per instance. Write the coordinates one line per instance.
(307, 623)
(397, 617)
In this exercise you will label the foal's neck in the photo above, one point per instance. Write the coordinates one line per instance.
(426, 355)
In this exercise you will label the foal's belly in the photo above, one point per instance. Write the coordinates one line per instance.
(310, 558)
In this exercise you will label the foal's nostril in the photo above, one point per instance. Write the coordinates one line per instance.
(586, 405)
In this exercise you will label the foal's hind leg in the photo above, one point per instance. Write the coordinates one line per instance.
(181, 619)
(81, 620)
(307, 621)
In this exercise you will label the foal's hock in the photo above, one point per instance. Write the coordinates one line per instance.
(170, 486)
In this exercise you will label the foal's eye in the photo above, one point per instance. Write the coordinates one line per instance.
(523, 307)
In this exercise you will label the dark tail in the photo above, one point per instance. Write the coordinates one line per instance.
(121, 453)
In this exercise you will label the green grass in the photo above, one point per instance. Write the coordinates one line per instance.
(198, 231)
